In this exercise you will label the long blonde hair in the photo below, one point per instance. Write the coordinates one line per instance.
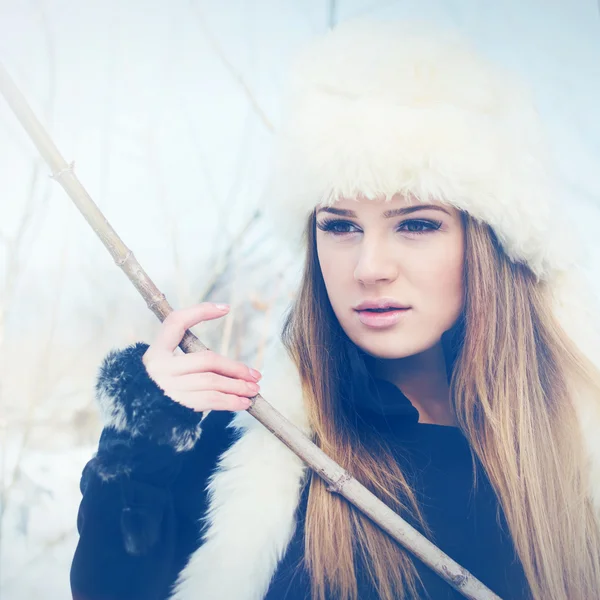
(511, 396)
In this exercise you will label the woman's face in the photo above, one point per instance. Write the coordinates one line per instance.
(408, 255)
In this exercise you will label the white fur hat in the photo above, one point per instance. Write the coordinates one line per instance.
(373, 109)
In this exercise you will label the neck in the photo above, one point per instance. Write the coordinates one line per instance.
(422, 379)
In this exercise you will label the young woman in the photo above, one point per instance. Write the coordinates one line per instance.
(439, 348)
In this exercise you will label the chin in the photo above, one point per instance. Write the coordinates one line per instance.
(395, 346)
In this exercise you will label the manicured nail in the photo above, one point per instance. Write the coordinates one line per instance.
(255, 374)
(253, 387)
(222, 306)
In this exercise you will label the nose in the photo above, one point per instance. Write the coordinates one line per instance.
(375, 263)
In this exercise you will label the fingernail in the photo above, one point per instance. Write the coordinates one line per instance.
(222, 306)
(255, 374)
(253, 387)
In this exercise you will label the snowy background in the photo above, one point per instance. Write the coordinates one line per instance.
(168, 110)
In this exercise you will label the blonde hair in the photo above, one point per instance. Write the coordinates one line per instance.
(510, 391)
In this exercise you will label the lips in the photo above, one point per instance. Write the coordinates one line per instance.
(381, 304)
(380, 317)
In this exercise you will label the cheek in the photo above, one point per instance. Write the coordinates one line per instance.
(333, 269)
(443, 289)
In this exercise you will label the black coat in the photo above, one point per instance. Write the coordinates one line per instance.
(145, 501)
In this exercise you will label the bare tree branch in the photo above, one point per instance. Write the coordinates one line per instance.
(230, 68)
(332, 14)
(224, 262)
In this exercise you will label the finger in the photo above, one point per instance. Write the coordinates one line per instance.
(202, 401)
(179, 321)
(208, 360)
(200, 382)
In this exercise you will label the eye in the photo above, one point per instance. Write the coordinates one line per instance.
(419, 226)
(337, 227)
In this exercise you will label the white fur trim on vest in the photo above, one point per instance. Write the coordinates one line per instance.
(253, 498)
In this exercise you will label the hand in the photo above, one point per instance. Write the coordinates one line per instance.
(200, 380)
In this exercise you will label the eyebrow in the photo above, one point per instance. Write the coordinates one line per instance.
(342, 212)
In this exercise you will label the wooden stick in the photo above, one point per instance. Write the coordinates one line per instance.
(339, 480)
